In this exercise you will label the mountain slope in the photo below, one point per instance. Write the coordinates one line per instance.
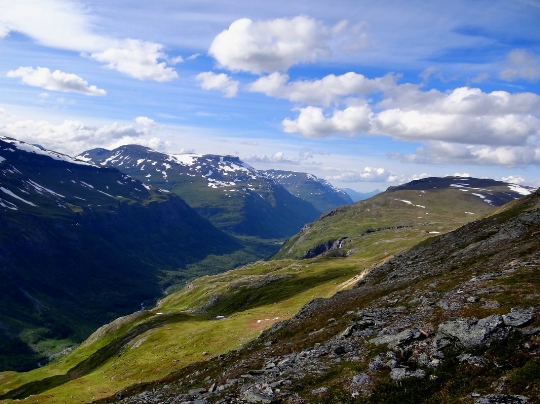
(232, 195)
(81, 245)
(430, 206)
(453, 320)
(320, 193)
(360, 196)
(183, 330)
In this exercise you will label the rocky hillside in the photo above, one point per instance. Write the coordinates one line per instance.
(231, 194)
(82, 244)
(320, 193)
(453, 320)
(432, 205)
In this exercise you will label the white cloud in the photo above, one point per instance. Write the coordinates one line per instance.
(271, 45)
(175, 60)
(323, 91)
(138, 59)
(72, 137)
(61, 24)
(464, 115)
(521, 64)
(276, 158)
(54, 81)
(514, 179)
(480, 77)
(311, 122)
(281, 158)
(368, 174)
(65, 24)
(194, 56)
(145, 121)
(455, 153)
(220, 82)
(465, 175)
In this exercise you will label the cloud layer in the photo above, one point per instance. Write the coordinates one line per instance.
(68, 26)
(54, 81)
(73, 137)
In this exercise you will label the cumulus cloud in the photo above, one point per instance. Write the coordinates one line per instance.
(138, 59)
(514, 179)
(145, 121)
(368, 174)
(54, 81)
(72, 137)
(220, 82)
(444, 153)
(271, 45)
(521, 64)
(68, 25)
(311, 122)
(323, 91)
(464, 115)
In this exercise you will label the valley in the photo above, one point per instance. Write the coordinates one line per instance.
(224, 319)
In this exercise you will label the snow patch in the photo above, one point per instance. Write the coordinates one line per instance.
(513, 187)
(40, 189)
(43, 152)
(86, 184)
(7, 191)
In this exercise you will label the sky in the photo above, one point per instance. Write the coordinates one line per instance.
(366, 94)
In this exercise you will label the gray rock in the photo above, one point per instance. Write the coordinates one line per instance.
(254, 397)
(376, 363)
(402, 373)
(471, 332)
(360, 379)
(518, 317)
(501, 399)
(196, 392)
(319, 390)
(398, 339)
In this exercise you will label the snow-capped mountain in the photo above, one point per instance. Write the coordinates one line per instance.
(317, 191)
(81, 244)
(231, 194)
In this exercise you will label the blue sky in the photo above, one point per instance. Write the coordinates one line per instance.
(366, 94)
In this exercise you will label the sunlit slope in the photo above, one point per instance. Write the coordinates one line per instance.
(425, 207)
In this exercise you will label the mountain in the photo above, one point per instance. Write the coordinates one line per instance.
(234, 196)
(452, 319)
(82, 244)
(320, 193)
(430, 206)
(360, 196)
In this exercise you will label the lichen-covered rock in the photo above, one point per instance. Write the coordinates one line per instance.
(402, 373)
(518, 317)
(471, 332)
(501, 399)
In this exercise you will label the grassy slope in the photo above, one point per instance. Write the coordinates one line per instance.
(252, 297)
(444, 211)
(243, 295)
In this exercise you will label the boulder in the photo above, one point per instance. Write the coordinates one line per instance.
(471, 332)
(501, 399)
(518, 317)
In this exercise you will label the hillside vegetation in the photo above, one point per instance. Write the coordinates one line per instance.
(216, 314)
